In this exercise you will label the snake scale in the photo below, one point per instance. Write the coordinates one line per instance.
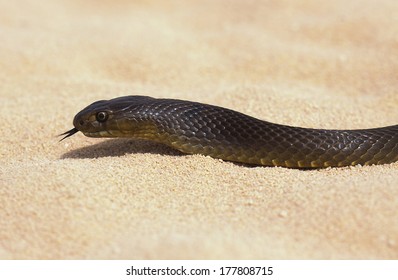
(197, 128)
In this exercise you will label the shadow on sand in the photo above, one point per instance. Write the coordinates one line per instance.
(120, 147)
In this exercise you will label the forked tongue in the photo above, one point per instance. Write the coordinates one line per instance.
(68, 133)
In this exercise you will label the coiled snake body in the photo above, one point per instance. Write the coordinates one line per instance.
(197, 128)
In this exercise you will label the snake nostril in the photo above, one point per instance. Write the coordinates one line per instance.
(81, 122)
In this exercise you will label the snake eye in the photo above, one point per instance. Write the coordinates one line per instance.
(101, 116)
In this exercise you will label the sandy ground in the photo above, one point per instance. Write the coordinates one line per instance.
(323, 64)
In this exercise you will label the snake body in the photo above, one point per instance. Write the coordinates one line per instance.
(197, 128)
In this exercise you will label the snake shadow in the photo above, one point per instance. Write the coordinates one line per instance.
(120, 147)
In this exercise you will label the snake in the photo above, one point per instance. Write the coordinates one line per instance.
(221, 133)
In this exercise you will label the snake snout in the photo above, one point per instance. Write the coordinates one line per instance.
(85, 123)
(79, 122)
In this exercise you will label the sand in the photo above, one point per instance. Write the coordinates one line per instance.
(323, 64)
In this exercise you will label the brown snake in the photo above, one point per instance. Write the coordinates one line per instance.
(197, 128)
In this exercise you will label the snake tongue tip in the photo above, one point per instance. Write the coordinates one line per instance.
(68, 133)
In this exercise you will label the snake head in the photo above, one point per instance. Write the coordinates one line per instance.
(91, 121)
(107, 118)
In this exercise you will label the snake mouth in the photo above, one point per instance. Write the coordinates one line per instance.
(68, 133)
(100, 134)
